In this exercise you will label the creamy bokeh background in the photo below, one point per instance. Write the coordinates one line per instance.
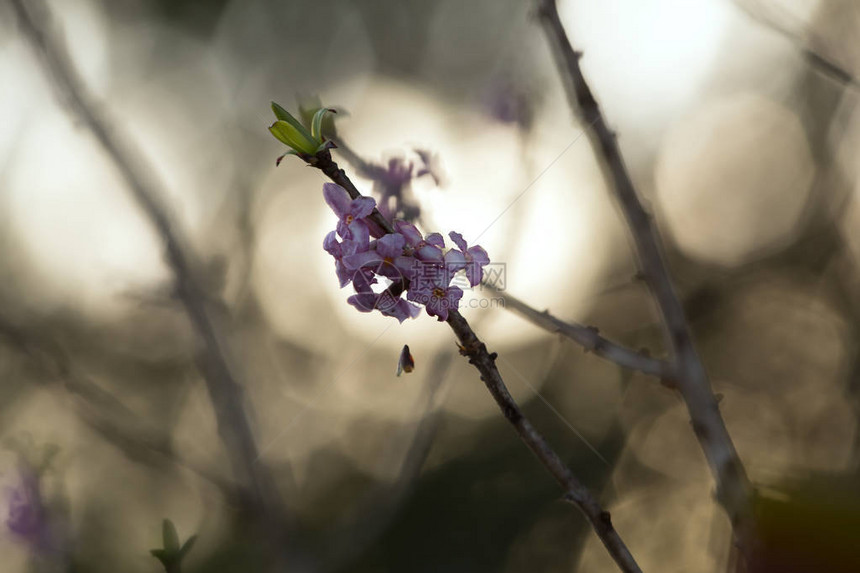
(745, 155)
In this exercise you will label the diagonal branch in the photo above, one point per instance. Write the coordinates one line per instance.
(324, 163)
(817, 59)
(733, 488)
(589, 338)
(575, 492)
(224, 388)
(103, 411)
(485, 362)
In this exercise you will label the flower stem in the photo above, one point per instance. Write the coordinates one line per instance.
(326, 164)
(485, 362)
(589, 338)
(224, 387)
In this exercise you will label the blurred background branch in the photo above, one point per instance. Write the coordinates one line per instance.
(225, 390)
(733, 488)
(813, 48)
(741, 145)
(103, 411)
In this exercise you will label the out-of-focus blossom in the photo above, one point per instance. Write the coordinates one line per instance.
(431, 164)
(506, 102)
(392, 182)
(26, 517)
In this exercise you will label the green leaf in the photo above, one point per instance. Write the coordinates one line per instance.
(163, 557)
(284, 115)
(170, 537)
(281, 157)
(186, 547)
(316, 123)
(287, 134)
(280, 112)
(308, 105)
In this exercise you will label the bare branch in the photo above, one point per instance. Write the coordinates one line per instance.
(225, 391)
(575, 492)
(104, 412)
(817, 59)
(589, 338)
(733, 488)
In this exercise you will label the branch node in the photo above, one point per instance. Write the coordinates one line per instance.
(606, 520)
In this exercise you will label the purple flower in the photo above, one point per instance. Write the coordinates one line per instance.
(408, 261)
(435, 292)
(386, 259)
(474, 258)
(26, 517)
(359, 242)
(349, 211)
(365, 300)
(507, 103)
(427, 249)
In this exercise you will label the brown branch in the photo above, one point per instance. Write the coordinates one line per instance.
(589, 338)
(224, 389)
(733, 488)
(326, 164)
(485, 362)
(575, 492)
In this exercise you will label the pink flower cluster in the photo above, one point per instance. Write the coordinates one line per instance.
(403, 262)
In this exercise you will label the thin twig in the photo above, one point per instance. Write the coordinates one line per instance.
(733, 487)
(589, 338)
(485, 362)
(818, 60)
(324, 163)
(104, 412)
(225, 391)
